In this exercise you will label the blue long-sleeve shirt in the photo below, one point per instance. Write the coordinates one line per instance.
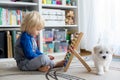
(29, 46)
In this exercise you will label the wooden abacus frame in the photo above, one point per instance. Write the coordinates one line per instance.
(72, 51)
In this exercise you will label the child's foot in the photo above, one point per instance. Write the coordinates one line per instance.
(59, 64)
(51, 57)
(44, 68)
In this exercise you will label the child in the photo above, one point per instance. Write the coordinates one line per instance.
(27, 54)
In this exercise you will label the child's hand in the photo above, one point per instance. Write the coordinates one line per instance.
(51, 57)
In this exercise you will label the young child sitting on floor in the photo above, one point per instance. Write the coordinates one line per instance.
(27, 54)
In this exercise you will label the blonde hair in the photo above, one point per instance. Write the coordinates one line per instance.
(32, 21)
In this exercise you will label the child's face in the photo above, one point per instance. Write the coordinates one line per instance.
(36, 32)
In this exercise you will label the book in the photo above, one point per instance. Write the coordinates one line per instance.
(1, 15)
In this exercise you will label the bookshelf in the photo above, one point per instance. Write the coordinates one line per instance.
(39, 6)
(9, 24)
(15, 6)
(71, 28)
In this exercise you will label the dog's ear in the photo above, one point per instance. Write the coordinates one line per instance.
(96, 48)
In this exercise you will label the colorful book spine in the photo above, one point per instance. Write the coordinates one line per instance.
(13, 17)
(0, 15)
(7, 16)
(3, 16)
(48, 1)
(18, 17)
(43, 1)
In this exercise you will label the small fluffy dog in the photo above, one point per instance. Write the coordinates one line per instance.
(102, 57)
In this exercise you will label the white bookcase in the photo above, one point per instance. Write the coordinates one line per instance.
(16, 5)
(75, 27)
(38, 6)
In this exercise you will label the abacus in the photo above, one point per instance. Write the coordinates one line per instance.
(72, 51)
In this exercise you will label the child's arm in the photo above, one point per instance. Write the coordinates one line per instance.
(38, 52)
(26, 44)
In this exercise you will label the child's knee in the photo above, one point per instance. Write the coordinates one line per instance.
(45, 59)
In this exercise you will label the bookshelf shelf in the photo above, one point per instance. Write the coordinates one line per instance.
(61, 26)
(4, 3)
(58, 6)
(9, 28)
(59, 54)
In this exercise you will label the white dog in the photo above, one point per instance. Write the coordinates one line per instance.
(102, 57)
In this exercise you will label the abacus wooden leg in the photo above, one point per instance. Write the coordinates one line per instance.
(72, 51)
(68, 59)
(80, 58)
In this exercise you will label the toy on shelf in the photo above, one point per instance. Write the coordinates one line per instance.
(58, 2)
(61, 46)
(72, 51)
(48, 47)
(68, 2)
(48, 35)
(69, 20)
(60, 35)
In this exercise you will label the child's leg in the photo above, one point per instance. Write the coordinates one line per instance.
(44, 68)
(36, 63)
(59, 64)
